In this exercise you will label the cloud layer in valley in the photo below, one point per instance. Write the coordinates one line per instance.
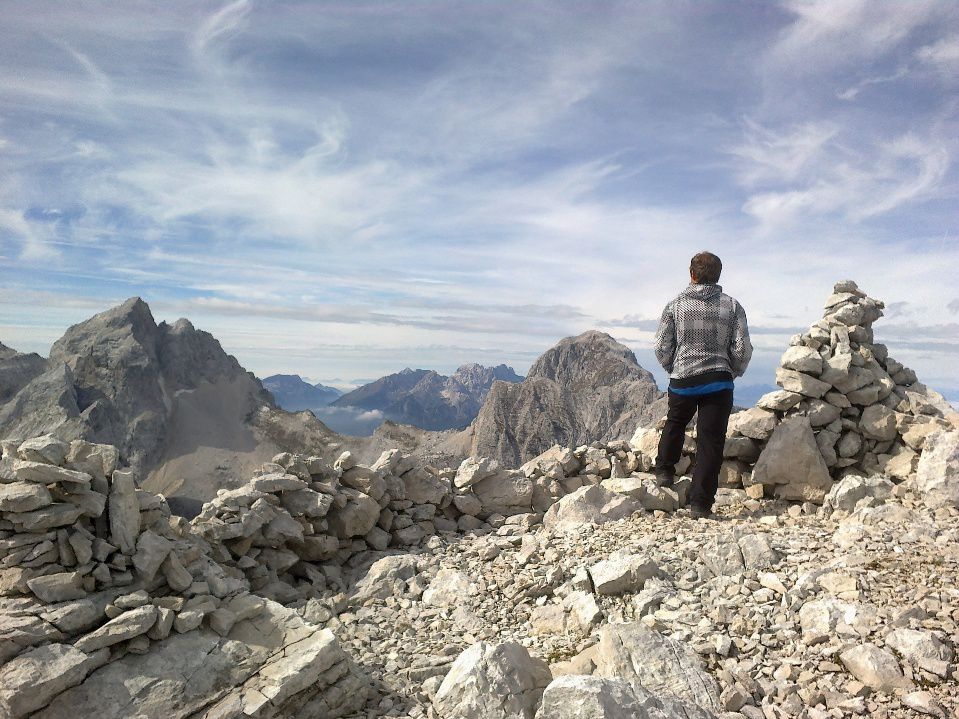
(343, 189)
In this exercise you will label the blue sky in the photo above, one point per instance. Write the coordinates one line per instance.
(344, 189)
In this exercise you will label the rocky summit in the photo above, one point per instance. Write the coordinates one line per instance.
(586, 388)
(572, 587)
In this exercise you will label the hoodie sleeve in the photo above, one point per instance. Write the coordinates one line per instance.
(665, 344)
(740, 348)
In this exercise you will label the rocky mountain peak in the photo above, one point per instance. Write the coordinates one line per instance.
(591, 359)
(120, 327)
(123, 375)
(585, 387)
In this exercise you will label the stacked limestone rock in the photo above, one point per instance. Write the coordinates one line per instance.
(845, 408)
(94, 570)
(298, 519)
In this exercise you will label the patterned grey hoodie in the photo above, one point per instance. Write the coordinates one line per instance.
(703, 330)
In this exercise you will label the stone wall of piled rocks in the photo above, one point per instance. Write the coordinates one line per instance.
(99, 583)
(845, 407)
(293, 524)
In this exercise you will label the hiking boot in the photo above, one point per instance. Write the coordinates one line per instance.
(665, 478)
(700, 512)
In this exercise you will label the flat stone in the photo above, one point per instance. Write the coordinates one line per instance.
(126, 626)
(60, 587)
(49, 517)
(23, 497)
(473, 470)
(779, 400)
(48, 474)
(800, 383)
(45, 450)
(622, 572)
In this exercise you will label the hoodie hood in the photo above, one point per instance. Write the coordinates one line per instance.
(703, 292)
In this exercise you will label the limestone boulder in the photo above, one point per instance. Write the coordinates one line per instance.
(592, 503)
(937, 473)
(46, 449)
(423, 487)
(587, 697)
(473, 470)
(504, 492)
(448, 587)
(878, 422)
(357, 518)
(647, 660)
(622, 572)
(802, 359)
(852, 489)
(921, 648)
(792, 464)
(492, 681)
(875, 667)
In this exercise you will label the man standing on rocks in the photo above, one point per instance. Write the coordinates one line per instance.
(703, 343)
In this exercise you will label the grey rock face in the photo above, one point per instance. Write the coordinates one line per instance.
(30, 681)
(113, 379)
(248, 673)
(17, 370)
(586, 388)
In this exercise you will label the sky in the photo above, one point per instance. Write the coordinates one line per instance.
(343, 189)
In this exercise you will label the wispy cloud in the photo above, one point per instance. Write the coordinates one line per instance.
(488, 177)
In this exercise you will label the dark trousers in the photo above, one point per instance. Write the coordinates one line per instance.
(711, 424)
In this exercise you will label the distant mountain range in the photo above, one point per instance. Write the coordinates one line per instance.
(427, 399)
(294, 394)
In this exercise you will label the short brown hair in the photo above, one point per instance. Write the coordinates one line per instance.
(705, 268)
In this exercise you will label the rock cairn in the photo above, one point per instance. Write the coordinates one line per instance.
(845, 408)
(98, 583)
